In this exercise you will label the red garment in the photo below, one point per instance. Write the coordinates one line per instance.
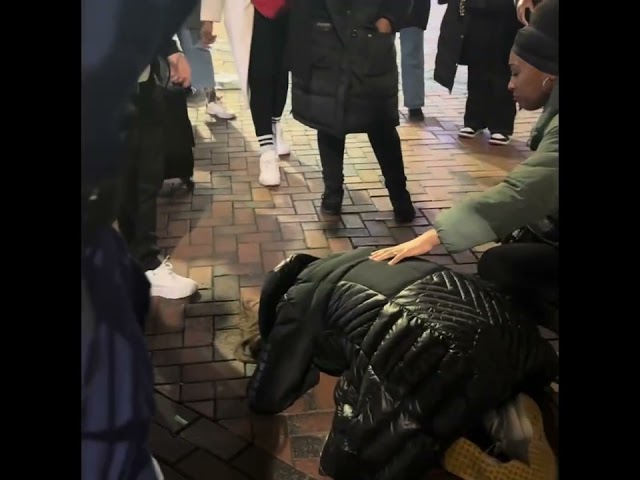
(270, 8)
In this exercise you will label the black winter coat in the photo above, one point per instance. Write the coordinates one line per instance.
(422, 353)
(344, 72)
(419, 16)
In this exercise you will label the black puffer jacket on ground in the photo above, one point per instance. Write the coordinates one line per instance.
(422, 352)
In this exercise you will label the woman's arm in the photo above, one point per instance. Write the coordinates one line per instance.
(527, 194)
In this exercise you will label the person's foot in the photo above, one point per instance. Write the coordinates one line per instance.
(403, 209)
(173, 187)
(416, 115)
(269, 168)
(217, 109)
(468, 132)
(282, 147)
(166, 283)
(499, 139)
(332, 202)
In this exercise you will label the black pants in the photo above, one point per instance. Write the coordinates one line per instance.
(529, 272)
(268, 71)
(385, 142)
(144, 176)
(487, 44)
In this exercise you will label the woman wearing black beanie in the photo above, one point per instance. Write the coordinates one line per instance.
(526, 201)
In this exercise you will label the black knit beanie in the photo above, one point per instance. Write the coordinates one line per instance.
(537, 43)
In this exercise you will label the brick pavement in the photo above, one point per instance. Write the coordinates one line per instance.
(231, 231)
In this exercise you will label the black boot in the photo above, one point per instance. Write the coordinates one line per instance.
(331, 150)
(385, 142)
(403, 209)
(332, 201)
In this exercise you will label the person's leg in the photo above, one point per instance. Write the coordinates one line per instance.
(477, 101)
(164, 282)
(520, 266)
(281, 82)
(412, 63)
(501, 116)
(262, 81)
(127, 198)
(149, 164)
(331, 151)
(529, 272)
(386, 145)
(203, 75)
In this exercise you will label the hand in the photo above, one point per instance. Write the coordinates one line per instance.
(523, 7)
(413, 248)
(180, 71)
(207, 37)
(384, 26)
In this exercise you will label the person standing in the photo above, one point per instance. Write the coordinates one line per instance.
(412, 59)
(118, 39)
(479, 34)
(142, 181)
(203, 82)
(345, 80)
(258, 36)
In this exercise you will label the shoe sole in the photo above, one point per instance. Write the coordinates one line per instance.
(469, 135)
(499, 142)
(170, 293)
(220, 117)
(262, 182)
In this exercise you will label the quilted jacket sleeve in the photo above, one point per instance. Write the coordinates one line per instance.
(277, 381)
(526, 195)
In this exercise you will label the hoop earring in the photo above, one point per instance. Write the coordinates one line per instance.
(544, 82)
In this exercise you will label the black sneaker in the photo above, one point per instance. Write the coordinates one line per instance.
(468, 132)
(499, 139)
(416, 115)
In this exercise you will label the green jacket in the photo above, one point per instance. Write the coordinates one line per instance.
(526, 195)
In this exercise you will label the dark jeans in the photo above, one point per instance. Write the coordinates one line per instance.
(385, 142)
(268, 72)
(529, 272)
(144, 176)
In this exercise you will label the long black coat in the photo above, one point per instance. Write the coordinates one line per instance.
(419, 16)
(483, 35)
(344, 72)
(422, 353)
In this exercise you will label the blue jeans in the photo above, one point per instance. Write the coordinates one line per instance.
(199, 58)
(412, 66)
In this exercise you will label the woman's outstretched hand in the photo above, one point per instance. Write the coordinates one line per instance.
(418, 246)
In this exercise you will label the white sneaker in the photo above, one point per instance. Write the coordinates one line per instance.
(282, 147)
(269, 169)
(217, 109)
(166, 283)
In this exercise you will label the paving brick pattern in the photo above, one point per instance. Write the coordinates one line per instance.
(231, 231)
